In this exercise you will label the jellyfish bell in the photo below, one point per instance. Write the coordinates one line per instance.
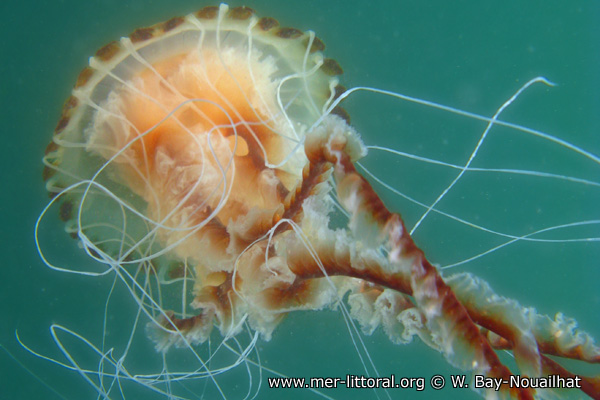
(202, 161)
(202, 130)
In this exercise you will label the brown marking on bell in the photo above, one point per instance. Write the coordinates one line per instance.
(52, 193)
(62, 124)
(141, 34)
(48, 172)
(94, 253)
(52, 147)
(339, 90)
(342, 113)
(74, 235)
(240, 13)
(331, 67)
(65, 211)
(209, 12)
(316, 45)
(55, 190)
(172, 24)
(289, 33)
(84, 77)
(267, 23)
(107, 52)
(71, 103)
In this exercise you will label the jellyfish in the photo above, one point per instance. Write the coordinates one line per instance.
(207, 164)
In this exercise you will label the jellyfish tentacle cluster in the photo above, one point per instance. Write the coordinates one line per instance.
(206, 149)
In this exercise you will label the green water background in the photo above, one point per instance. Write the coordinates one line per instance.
(469, 54)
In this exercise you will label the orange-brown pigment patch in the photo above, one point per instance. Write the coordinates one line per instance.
(229, 87)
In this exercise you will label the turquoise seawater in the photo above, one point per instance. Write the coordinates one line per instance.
(471, 55)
